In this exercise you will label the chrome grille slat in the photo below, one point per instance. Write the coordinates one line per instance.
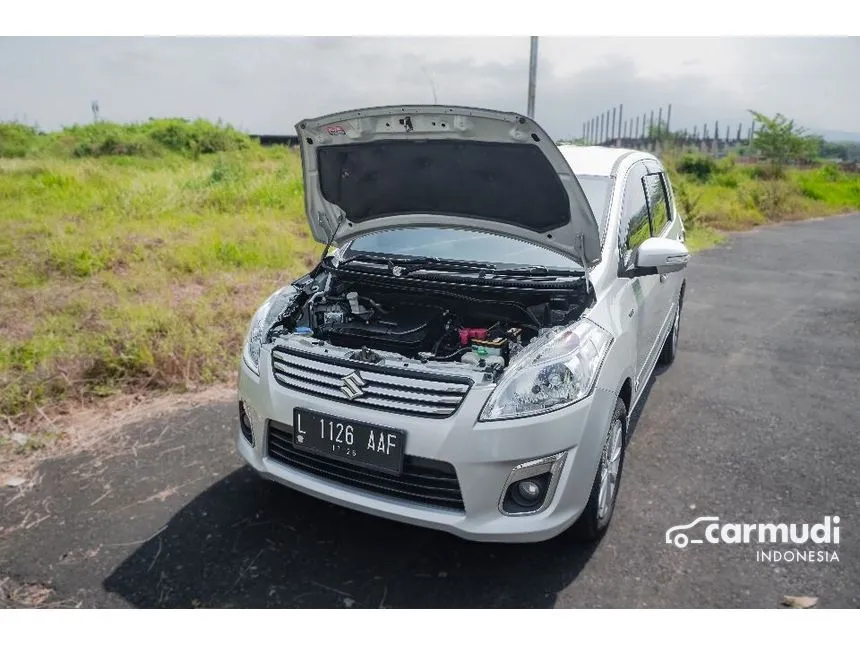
(367, 400)
(421, 395)
(387, 392)
(415, 383)
(289, 360)
(279, 356)
(413, 396)
(320, 379)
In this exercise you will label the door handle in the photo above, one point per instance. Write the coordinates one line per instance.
(662, 278)
(630, 313)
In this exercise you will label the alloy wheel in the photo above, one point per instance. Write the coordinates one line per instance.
(610, 466)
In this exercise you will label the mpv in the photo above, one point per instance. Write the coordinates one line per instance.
(468, 357)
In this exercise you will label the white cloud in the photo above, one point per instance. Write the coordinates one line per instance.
(268, 84)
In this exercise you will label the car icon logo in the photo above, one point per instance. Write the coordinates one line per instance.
(676, 536)
(351, 385)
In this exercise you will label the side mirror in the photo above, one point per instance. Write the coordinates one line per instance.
(661, 255)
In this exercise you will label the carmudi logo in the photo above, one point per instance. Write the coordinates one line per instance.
(800, 542)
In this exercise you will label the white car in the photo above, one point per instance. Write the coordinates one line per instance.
(468, 357)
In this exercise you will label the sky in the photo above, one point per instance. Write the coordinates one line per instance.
(266, 85)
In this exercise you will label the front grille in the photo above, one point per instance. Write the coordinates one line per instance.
(425, 481)
(386, 388)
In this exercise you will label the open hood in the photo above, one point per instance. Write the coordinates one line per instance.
(433, 165)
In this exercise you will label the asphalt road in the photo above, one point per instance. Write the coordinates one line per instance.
(757, 421)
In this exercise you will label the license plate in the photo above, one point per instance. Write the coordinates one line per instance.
(357, 443)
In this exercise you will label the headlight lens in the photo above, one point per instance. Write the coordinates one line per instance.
(557, 369)
(262, 321)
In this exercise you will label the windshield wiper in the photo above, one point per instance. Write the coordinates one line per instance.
(409, 265)
(534, 271)
(403, 266)
(364, 257)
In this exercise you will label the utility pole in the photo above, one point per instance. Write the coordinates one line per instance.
(533, 54)
(95, 107)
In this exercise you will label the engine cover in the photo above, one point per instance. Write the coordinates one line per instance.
(403, 330)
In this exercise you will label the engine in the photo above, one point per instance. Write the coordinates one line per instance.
(463, 325)
(361, 322)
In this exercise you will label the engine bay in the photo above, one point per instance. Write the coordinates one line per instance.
(478, 325)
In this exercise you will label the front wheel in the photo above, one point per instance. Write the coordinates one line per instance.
(593, 522)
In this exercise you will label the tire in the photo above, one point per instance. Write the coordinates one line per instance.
(593, 522)
(670, 347)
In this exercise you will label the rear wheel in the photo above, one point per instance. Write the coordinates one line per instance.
(593, 522)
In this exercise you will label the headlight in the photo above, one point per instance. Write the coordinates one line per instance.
(557, 369)
(262, 321)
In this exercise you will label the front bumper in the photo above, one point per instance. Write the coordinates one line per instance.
(483, 454)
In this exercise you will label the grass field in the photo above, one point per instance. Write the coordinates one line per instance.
(127, 273)
(129, 268)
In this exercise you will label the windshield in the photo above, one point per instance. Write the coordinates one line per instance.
(596, 189)
(476, 246)
(454, 244)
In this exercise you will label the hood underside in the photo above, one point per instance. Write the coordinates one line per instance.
(408, 166)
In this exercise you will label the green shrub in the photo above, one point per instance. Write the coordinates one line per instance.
(756, 172)
(226, 171)
(830, 186)
(728, 180)
(699, 166)
(105, 139)
(773, 199)
(195, 137)
(829, 173)
(17, 139)
(726, 165)
(154, 138)
(688, 199)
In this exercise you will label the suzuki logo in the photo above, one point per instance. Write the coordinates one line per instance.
(352, 384)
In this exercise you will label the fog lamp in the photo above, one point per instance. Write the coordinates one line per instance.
(529, 490)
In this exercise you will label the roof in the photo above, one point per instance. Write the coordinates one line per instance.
(593, 160)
